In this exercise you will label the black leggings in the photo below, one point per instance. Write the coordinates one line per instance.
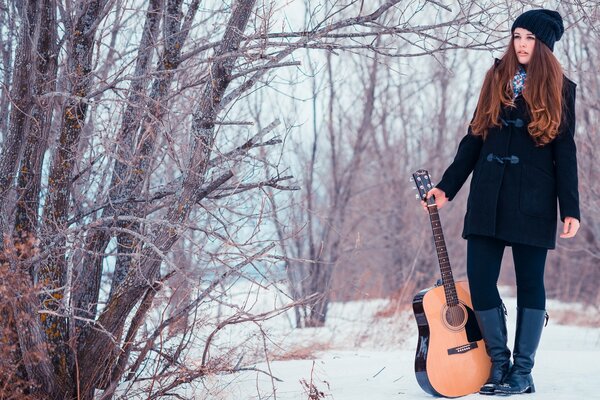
(484, 256)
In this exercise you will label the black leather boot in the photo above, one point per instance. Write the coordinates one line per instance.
(530, 323)
(493, 329)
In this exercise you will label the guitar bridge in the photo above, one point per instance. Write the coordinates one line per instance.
(462, 349)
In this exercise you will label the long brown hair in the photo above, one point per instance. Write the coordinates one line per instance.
(542, 93)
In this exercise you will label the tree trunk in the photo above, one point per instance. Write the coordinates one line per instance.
(86, 281)
(35, 62)
(53, 272)
(135, 284)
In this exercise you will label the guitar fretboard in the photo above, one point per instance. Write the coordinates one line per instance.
(442, 253)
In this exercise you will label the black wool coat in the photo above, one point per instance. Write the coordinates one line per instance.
(516, 184)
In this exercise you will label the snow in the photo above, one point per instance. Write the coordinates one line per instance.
(360, 356)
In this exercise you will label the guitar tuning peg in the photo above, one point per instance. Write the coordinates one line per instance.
(417, 196)
(411, 179)
(432, 184)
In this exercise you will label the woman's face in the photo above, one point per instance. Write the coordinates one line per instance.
(524, 42)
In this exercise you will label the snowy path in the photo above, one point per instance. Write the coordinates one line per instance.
(567, 367)
(560, 375)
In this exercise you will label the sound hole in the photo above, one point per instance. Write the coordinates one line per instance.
(455, 317)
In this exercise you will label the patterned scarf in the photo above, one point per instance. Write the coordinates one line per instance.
(518, 82)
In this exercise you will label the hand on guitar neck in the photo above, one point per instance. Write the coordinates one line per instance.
(440, 198)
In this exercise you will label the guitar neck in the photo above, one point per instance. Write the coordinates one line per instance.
(442, 253)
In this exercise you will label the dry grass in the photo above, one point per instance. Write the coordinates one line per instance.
(300, 352)
(310, 389)
(399, 302)
(575, 318)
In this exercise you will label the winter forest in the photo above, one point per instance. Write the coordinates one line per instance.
(176, 175)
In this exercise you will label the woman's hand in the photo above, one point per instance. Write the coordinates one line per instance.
(570, 227)
(440, 198)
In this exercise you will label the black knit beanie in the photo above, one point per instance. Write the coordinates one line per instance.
(546, 25)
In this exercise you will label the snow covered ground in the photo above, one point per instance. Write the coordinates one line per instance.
(360, 357)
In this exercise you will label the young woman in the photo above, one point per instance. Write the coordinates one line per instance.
(521, 151)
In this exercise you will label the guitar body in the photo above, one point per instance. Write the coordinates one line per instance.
(451, 359)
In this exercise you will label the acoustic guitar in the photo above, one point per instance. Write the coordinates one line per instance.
(451, 359)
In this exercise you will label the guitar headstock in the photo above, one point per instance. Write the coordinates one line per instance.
(423, 183)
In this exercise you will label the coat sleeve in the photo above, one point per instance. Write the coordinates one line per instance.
(565, 158)
(464, 162)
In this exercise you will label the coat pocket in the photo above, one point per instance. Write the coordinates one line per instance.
(538, 193)
(475, 193)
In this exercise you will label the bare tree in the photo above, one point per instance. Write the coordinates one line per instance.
(364, 134)
(91, 214)
(574, 273)
(422, 109)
